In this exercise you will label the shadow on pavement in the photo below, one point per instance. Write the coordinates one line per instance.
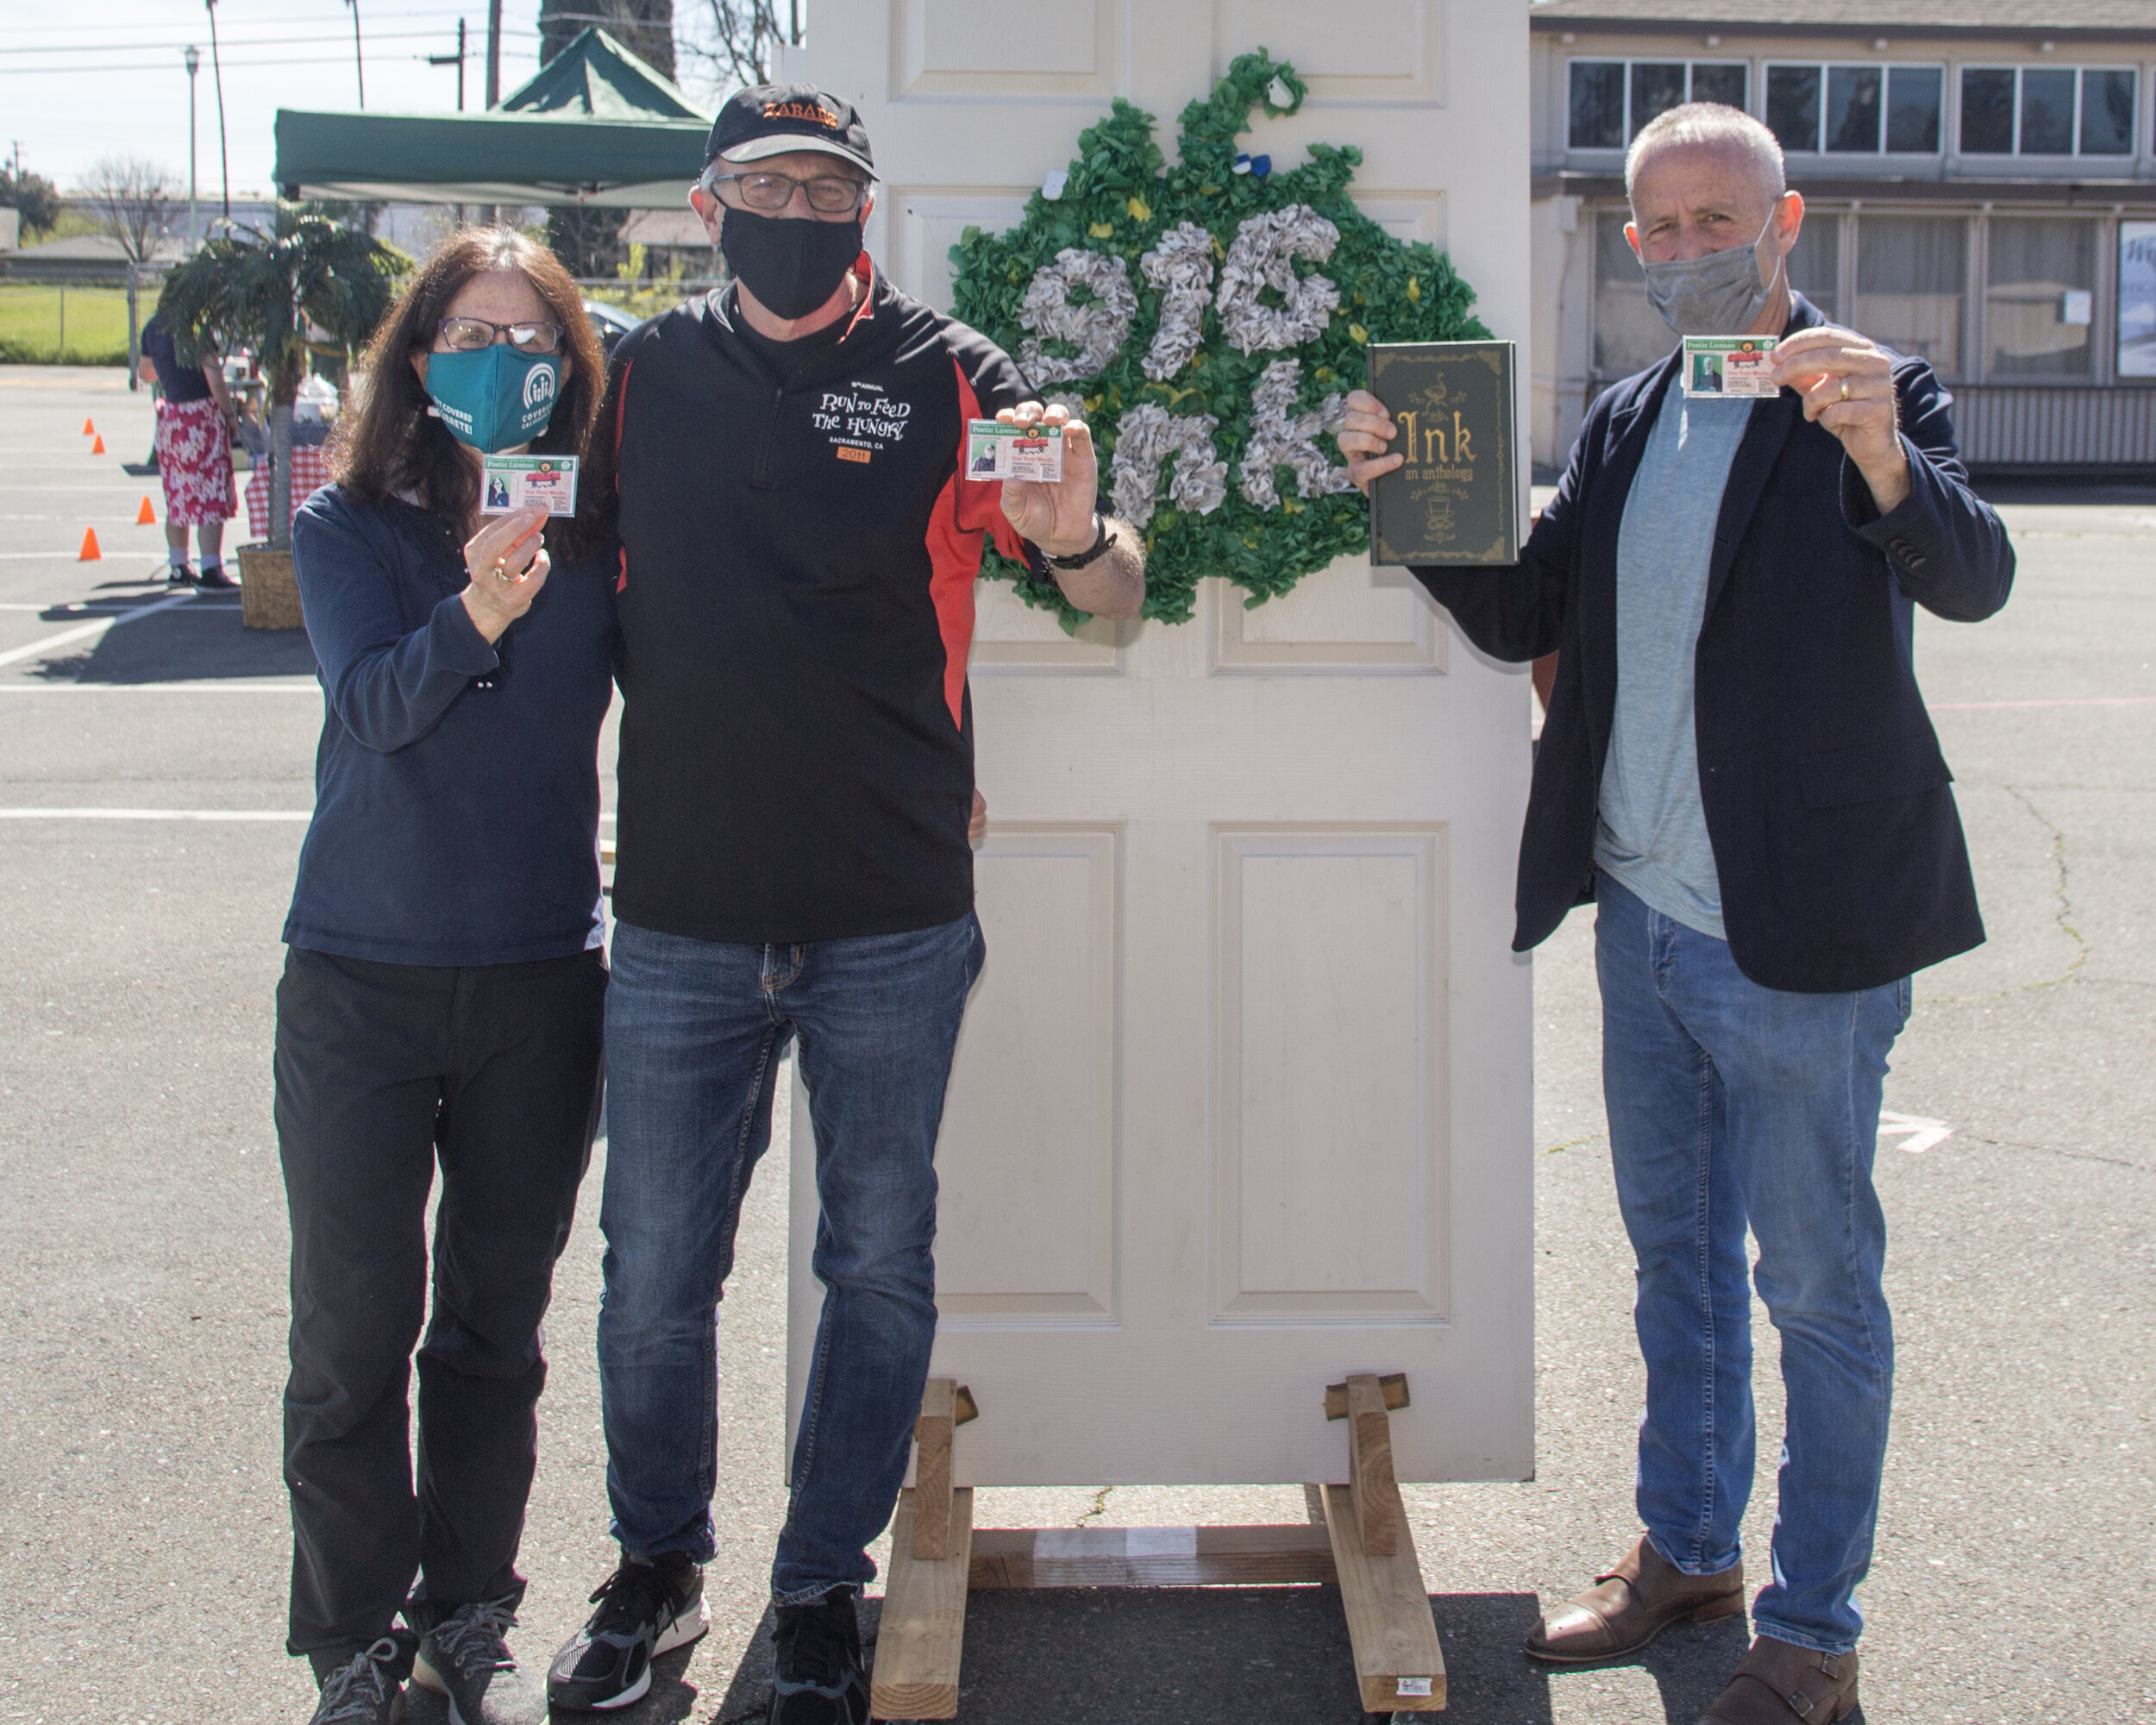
(1181, 1656)
(203, 639)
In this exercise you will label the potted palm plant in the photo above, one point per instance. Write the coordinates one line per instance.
(270, 290)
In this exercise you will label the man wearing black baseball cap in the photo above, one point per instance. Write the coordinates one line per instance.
(799, 544)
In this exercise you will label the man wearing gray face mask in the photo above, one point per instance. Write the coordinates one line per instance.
(1737, 769)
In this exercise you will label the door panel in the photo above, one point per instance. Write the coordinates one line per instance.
(1242, 1102)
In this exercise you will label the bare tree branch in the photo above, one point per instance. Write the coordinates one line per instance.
(733, 40)
(133, 197)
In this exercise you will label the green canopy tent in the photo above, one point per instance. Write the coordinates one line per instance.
(595, 126)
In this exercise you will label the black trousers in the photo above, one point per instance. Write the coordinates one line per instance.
(382, 1070)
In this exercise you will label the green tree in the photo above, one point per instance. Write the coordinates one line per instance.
(33, 196)
(308, 286)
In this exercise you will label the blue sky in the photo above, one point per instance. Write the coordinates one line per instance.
(79, 81)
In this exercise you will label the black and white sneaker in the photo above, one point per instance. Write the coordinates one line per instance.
(213, 575)
(644, 1609)
(367, 1690)
(818, 1678)
(179, 576)
(467, 1657)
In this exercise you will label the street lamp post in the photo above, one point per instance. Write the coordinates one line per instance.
(358, 66)
(193, 57)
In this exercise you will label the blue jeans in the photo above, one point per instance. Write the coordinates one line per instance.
(1732, 1104)
(695, 1031)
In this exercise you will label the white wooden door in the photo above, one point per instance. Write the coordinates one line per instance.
(1242, 1104)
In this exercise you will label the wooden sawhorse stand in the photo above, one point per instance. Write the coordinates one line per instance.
(1365, 1546)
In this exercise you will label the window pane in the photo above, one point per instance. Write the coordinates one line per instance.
(2048, 113)
(1852, 108)
(1598, 104)
(1915, 98)
(2036, 311)
(1986, 113)
(1911, 274)
(1629, 334)
(1793, 106)
(2107, 112)
(1815, 264)
(1724, 83)
(1656, 89)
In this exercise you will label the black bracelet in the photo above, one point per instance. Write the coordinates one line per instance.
(1102, 539)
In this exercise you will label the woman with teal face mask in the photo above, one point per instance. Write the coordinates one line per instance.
(442, 1004)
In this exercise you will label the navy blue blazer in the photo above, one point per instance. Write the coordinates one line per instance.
(1836, 839)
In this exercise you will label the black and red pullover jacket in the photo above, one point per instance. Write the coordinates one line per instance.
(796, 606)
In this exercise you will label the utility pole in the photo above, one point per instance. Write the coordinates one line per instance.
(457, 59)
(493, 52)
(216, 68)
(358, 66)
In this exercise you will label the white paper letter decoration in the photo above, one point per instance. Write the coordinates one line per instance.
(1280, 440)
(1098, 332)
(1147, 434)
(1259, 258)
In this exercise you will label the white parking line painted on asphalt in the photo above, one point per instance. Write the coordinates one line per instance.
(154, 814)
(89, 629)
(2080, 700)
(207, 686)
(1917, 1134)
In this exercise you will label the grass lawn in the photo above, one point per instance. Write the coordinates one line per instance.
(30, 317)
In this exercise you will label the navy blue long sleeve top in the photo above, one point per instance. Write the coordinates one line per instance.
(456, 783)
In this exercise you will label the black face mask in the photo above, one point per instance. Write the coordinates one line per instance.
(791, 267)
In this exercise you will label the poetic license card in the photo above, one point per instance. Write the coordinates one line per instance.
(996, 451)
(1740, 366)
(514, 482)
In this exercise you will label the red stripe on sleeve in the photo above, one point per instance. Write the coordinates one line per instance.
(955, 529)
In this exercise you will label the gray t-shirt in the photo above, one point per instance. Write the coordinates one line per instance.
(1651, 833)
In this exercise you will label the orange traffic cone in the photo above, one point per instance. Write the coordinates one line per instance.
(88, 430)
(98, 447)
(90, 554)
(146, 516)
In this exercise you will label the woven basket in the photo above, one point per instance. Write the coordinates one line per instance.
(269, 595)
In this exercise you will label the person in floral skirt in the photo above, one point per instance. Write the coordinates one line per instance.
(194, 454)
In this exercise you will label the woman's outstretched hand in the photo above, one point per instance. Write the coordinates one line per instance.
(508, 566)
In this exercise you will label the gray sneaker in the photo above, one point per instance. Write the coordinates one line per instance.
(467, 1657)
(365, 1689)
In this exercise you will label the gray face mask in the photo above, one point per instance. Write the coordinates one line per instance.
(1720, 294)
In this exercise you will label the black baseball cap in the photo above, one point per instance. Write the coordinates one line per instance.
(775, 119)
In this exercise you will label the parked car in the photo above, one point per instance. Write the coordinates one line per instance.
(612, 323)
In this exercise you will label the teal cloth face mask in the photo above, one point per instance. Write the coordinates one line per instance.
(493, 398)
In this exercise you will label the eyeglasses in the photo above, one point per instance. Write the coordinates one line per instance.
(833, 195)
(468, 335)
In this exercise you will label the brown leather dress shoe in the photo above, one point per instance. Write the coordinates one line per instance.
(1780, 1685)
(1630, 1606)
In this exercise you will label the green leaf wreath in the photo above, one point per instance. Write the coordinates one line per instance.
(1101, 256)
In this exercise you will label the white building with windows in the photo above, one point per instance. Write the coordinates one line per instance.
(1981, 190)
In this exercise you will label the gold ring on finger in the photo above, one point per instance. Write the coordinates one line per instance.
(1845, 389)
(501, 569)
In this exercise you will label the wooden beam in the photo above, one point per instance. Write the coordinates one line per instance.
(1394, 1383)
(1377, 1507)
(1151, 1557)
(931, 1470)
(1399, 1663)
(923, 1627)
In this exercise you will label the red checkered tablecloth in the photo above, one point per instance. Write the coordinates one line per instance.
(310, 472)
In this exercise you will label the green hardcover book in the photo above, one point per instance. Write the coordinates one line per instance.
(1456, 499)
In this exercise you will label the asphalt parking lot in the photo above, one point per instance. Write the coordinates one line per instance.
(143, 1539)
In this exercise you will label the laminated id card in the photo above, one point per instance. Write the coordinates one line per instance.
(514, 482)
(996, 451)
(1739, 365)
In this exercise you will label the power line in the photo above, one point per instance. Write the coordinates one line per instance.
(334, 40)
